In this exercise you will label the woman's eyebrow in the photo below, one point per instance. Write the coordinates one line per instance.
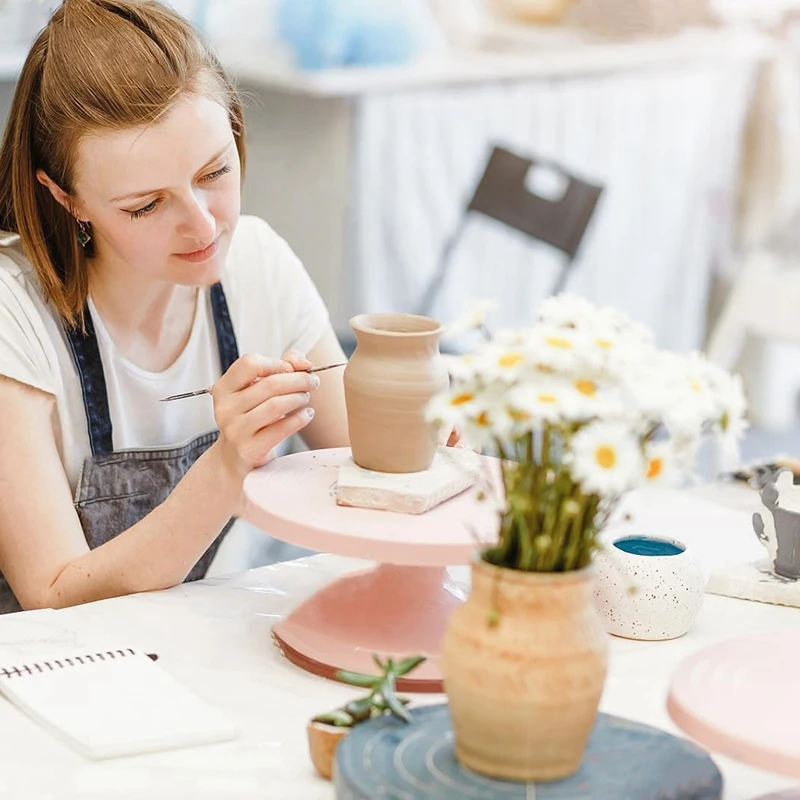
(143, 193)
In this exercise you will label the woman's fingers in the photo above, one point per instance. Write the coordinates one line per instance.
(297, 359)
(273, 410)
(273, 386)
(259, 448)
(258, 403)
(247, 370)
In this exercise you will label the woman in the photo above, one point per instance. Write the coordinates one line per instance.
(128, 276)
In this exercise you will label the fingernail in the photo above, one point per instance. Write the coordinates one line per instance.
(315, 381)
(309, 412)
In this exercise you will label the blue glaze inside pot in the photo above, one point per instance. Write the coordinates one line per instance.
(647, 546)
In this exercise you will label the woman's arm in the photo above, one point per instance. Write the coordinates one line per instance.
(43, 552)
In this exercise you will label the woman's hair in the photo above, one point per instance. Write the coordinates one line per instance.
(99, 65)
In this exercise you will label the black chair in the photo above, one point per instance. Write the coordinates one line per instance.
(502, 194)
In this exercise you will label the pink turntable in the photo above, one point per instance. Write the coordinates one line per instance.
(741, 698)
(398, 608)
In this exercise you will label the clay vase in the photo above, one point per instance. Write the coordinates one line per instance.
(394, 372)
(524, 662)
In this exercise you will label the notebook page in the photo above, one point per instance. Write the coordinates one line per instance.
(115, 706)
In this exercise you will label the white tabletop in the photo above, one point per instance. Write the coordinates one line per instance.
(214, 636)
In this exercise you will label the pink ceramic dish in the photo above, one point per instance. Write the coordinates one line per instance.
(741, 698)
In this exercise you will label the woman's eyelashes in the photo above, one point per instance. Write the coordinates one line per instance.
(150, 207)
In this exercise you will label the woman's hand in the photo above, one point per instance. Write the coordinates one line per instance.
(451, 437)
(258, 403)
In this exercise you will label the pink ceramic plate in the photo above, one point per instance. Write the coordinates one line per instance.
(398, 608)
(741, 698)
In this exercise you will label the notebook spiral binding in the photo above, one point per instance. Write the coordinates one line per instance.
(63, 663)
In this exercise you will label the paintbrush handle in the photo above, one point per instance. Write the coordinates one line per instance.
(198, 392)
(322, 369)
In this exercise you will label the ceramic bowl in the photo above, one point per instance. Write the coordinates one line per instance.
(648, 587)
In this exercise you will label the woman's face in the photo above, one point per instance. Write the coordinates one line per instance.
(164, 200)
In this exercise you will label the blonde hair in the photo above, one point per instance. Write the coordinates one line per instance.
(99, 65)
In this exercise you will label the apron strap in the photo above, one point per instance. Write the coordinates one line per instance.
(86, 355)
(89, 365)
(226, 338)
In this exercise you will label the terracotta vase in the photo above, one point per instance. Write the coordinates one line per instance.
(394, 372)
(524, 692)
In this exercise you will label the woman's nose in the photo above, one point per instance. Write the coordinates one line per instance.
(199, 222)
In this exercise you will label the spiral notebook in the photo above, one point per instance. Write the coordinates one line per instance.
(112, 703)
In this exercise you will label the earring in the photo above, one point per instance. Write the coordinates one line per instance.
(84, 233)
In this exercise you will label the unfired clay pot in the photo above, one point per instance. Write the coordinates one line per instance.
(394, 372)
(524, 692)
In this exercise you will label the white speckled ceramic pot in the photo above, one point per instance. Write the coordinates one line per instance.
(648, 587)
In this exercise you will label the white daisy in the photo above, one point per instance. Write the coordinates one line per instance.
(499, 362)
(566, 310)
(537, 402)
(590, 398)
(460, 367)
(556, 349)
(660, 464)
(606, 459)
(473, 318)
(454, 407)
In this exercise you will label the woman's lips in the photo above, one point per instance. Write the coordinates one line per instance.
(200, 255)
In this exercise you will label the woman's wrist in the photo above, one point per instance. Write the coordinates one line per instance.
(230, 478)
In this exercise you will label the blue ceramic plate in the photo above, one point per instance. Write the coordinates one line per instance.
(388, 760)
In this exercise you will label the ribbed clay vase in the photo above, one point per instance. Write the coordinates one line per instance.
(394, 372)
(524, 692)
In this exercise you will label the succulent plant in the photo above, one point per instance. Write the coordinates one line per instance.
(382, 697)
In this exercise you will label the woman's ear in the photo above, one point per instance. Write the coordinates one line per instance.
(60, 196)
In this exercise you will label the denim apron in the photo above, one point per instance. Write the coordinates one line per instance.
(118, 489)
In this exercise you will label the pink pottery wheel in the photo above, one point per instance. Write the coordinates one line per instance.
(741, 698)
(398, 608)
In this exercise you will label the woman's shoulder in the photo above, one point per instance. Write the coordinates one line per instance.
(17, 276)
(261, 260)
(255, 242)
(27, 327)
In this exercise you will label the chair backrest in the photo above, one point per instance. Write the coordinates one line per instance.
(503, 194)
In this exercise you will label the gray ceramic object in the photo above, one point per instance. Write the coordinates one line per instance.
(778, 527)
(388, 759)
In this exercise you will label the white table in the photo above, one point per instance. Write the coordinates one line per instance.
(215, 637)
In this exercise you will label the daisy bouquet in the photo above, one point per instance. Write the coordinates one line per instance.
(581, 407)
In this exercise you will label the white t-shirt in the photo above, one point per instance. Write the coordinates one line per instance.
(274, 306)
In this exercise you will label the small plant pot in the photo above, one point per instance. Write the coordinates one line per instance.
(323, 739)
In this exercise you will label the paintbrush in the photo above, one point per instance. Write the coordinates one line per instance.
(198, 392)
